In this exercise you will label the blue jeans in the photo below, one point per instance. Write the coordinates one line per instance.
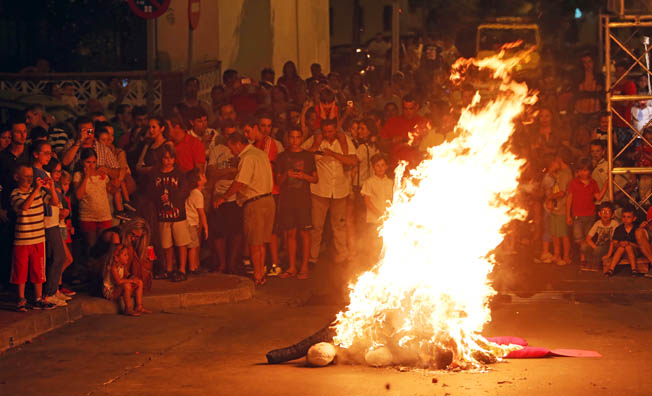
(594, 256)
(581, 227)
(55, 254)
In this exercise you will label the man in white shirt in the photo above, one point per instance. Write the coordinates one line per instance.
(641, 115)
(225, 222)
(252, 187)
(332, 189)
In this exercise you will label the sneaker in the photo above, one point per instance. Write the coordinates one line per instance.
(62, 296)
(121, 216)
(275, 270)
(40, 304)
(67, 292)
(547, 258)
(128, 205)
(56, 301)
(562, 262)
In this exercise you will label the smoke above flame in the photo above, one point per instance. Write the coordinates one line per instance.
(429, 293)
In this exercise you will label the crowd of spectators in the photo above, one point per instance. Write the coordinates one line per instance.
(270, 171)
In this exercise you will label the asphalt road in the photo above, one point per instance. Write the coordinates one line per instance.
(220, 350)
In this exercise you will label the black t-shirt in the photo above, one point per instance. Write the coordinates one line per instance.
(303, 161)
(8, 164)
(171, 194)
(620, 234)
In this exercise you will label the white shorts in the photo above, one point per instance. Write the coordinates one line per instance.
(195, 240)
(176, 232)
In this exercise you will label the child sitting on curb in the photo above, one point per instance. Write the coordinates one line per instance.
(623, 241)
(119, 285)
(602, 231)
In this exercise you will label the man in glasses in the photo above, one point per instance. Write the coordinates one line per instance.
(107, 163)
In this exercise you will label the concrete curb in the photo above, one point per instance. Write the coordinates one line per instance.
(532, 297)
(28, 326)
(37, 323)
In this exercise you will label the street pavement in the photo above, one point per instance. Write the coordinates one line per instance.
(220, 349)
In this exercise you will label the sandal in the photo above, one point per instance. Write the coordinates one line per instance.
(181, 276)
(163, 275)
(609, 273)
(131, 313)
(144, 310)
(287, 274)
(303, 275)
(22, 305)
(260, 282)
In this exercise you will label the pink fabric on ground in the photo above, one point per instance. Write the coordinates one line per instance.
(506, 340)
(574, 353)
(528, 353)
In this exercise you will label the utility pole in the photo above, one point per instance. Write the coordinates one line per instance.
(395, 36)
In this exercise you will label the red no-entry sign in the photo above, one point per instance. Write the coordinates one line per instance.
(149, 9)
(193, 13)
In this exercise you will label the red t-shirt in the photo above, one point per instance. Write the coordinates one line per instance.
(244, 104)
(401, 127)
(625, 87)
(190, 153)
(583, 197)
(268, 145)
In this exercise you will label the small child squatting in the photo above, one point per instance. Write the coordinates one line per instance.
(119, 285)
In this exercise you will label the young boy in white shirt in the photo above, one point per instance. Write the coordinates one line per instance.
(377, 191)
(598, 240)
(196, 218)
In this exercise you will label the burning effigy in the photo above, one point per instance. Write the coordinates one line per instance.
(426, 301)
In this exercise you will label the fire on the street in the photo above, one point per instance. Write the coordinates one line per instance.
(426, 301)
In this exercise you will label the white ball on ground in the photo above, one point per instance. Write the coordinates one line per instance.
(321, 354)
(379, 357)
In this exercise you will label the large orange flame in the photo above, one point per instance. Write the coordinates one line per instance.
(430, 292)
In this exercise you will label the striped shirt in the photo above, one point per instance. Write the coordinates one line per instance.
(30, 227)
(58, 139)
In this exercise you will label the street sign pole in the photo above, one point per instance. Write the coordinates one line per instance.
(150, 10)
(151, 58)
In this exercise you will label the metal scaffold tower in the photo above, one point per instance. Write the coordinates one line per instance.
(623, 35)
